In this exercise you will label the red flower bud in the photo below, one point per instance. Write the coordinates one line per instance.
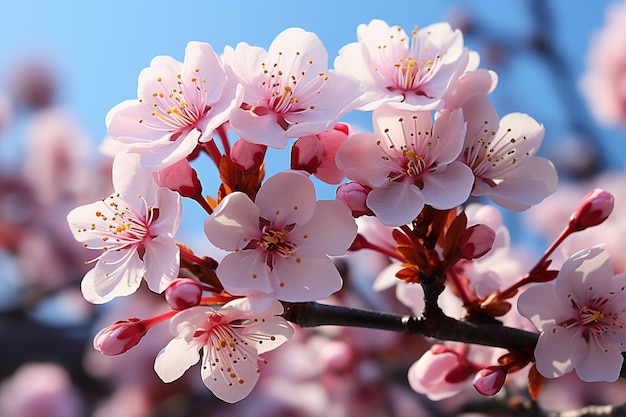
(180, 177)
(489, 381)
(592, 210)
(306, 154)
(120, 336)
(247, 156)
(183, 293)
(476, 241)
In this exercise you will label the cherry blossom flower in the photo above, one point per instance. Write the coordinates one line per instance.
(288, 90)
(409, 162)
(416, 70)
(231, 339)
(279, 243)
(178, 105)
(134, 228)
(501, 155)
(581, 317)
(604, 82)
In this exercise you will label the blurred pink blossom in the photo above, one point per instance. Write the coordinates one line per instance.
(604, 82)
(39, 390)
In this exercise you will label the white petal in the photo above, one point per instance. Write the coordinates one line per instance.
(234, 222)
(175, 358)
(120, 276)
(230, 380)
(161, 262)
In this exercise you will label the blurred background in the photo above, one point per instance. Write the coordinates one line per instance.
(65, 64)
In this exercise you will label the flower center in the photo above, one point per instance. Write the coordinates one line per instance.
(122, 227)
(180, 107)
(288, 86)
(273, 241)
(595, 318)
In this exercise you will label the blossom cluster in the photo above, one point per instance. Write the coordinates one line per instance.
(437, 141)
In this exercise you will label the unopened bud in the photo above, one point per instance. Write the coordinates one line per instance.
(120, 336)
(180, 177)
(476, 241)
(592, 210)
(183, 293)
(489, 381)
(247, 156)
(354, 195)
(306, 154)
(331, 140)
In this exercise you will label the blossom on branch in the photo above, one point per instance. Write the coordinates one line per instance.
(408, 161)
(288, 90)
(581, 316)
(134, 228)
(415, 70)
(280, 242)
(178, 105)
(231, 340)
(501, 152)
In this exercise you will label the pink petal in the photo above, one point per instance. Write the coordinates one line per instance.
(558, 353)
(331, 229)
(274, 326)
(263, 130)
(361, 160)
(234, 222)
(449, 131)
(222, 383)
(397, 204)
(585, 275)
(444, 189)
(601, 363)
(203, 63)
(166, 152)
(123, 123)
(286, 198)
(306, 275)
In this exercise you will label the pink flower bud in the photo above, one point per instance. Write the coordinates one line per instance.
(592, 210)
(306, 154)
(331, 140)
(476, 241)
(247, 156)
(180, 177)
(183, 293)
(440, 373)
(120, 336)
(489, 381)
(354, 195)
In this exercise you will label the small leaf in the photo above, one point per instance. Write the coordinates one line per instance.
(535, 382)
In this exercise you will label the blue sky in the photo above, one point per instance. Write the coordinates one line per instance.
(101, 46)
